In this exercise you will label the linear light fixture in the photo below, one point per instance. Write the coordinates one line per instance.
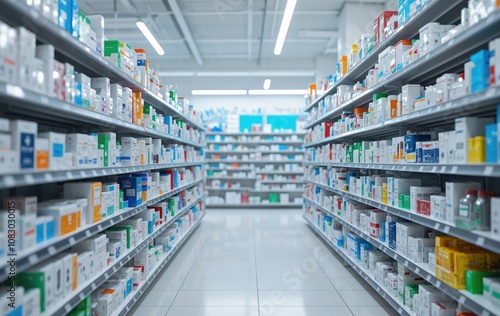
(267, 84)
(285, 24)
(149, 36)
(278, 92)
(219, 92)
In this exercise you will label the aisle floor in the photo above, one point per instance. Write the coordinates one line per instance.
(258, 263)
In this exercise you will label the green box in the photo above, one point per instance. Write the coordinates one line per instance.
(171, 207)
(406, 201)
(127, 228)
(121, 200)
(274, 198)
(410, 291)
(35, 280)
(103, 144)
(82, 309)
(474, 280)
(112, 51)
(377, 96)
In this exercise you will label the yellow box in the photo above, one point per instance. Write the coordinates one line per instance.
(74, 261)
(449, 278)
(492, 261)
(384, 193)
(445, 257)
(477, 149)
(444, 241)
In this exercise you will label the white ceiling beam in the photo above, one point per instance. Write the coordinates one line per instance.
(185, 31)
(249, 28)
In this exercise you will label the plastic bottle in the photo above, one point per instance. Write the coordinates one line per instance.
(465, 210)
(482, 210)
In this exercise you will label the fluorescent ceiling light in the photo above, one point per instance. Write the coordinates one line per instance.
(285, 24)
(278, 92)
(219, 92)
(149, 36)
(267, 84)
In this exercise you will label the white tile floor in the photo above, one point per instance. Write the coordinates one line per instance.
(258, 263)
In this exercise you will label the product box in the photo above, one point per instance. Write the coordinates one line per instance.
(410, 93)
(90, 191)
(25, 205)
(31, 302)
(405, 230)
(96, 244)
(455, 191)
(42, 154)
(495, 216)
(41, 277)
(465, 128)
(26, 48)
(44, 228)
(132, 186)
(421, 193)
(24, 134)
(9, 54)
(118, 236)
(57, 144)
(66, 216)
(438, 207)
(400, 186)
(102, 86)
(491, 135)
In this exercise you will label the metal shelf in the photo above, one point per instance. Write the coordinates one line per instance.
(282, 182)
(31, 257)
(231, 178)
(242, 152)
(231, 170)
(484, 170)
(65, 305)
(430, 13)
(399, 307)
(482, 102)
(274, 142)
(132, 299)
(260, 205)
(274, 134)
(483, 239)
(36, 105)
(256, 191)
(473, 302)
(280, 172)
(451, 54)
(26, 178)
(255, 161)
(69, 49)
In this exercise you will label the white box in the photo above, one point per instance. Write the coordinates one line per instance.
(117, 95)
(102, 87)
(27, 231)
(465, 128)
(25, 204)
(402, 186)
(31, 302)
(455, 191)
(46, 54)
(85, 267)
(26, 54)
(403, 231)
(24, 134)
(96, 244)
(66, 218)
(447, 147)
(444, 309)
(410, 93)
(438, 207)
(87, 190)
(70, 269)
(9, 54)
(421, 193)
(57, 148)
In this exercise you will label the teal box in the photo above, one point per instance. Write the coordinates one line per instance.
(491, 143)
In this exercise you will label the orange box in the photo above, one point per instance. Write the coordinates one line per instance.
(444, 241)
(393, 106)
(42, 153)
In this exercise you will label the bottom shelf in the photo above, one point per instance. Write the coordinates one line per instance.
(136, 295)
(367, 276)
(266, 205)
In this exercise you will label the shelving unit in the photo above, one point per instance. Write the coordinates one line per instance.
(53, 114)
(324, 162)
(252, 153)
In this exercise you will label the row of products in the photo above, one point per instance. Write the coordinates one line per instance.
(46, 284)
(217, 184)
(257, 148)
(258, 157)
(244, 167)
(420, 245)
(237, 198)
(90, 31)
(413, 196)
(397, 57)
(482, 71)
(24, 148)
(83, 204)
(254, 138)
(474, 140)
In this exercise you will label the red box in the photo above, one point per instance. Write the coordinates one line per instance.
(328, 128)
(424, 207)
(379, 26)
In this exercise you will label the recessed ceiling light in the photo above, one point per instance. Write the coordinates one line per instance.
(149, 36)
(267, 84)
(285, 24)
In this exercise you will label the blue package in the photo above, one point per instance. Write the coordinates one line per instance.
(78, 93)
(64, 14)
(481, 71)
(491, 143)
(411, 145)
(132, 187)
(392, 235)
(40, 232)
(73, 18)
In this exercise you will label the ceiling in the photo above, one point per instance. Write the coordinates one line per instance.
(226, 44)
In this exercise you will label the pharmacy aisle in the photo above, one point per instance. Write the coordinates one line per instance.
(258, 262)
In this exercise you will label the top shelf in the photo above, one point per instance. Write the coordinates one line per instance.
(433, 11)
(82, 57)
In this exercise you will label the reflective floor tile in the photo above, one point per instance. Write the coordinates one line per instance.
(287, 270)
(294, 283)
(216, 298)
(300, 298)
(304, 311)
(361, 298)
(373, 311)
(157, 298)
(219, 284)
(213, 311)
(149, 311)
(218, 272)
